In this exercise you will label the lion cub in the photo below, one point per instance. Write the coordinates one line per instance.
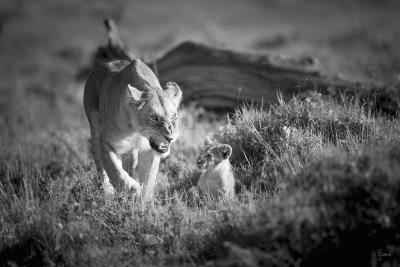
(216, 171)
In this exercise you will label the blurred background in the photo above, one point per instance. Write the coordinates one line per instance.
(44, 44)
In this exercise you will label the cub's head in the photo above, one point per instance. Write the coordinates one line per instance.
(213, 154)
(154, 111)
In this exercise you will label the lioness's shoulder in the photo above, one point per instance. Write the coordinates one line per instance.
(101, 72)
(115, 66)
(134, 72)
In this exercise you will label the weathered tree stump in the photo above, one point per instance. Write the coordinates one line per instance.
(220, 79)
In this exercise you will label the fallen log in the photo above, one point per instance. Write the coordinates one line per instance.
(222, 79)
(219, 79)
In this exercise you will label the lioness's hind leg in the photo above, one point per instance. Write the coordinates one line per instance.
(94, 143)
(134, 163)
(102, 178)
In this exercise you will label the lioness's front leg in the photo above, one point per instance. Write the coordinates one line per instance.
(148, 164)
(112, 164)
(129, 163)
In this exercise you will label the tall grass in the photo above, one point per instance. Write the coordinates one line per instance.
(270, 146)
(318, 184)
(335, 213)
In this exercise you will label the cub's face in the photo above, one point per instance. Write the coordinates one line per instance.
(212, 154)
(157, 116)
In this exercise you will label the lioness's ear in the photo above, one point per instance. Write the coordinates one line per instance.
(207, 141)
(226, 151)
(174, 91)
(135, 97)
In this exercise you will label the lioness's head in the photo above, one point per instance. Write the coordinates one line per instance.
(154, 111)
(212, 154)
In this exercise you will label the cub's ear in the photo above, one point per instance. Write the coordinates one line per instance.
(226, 151)
(174, 91)
(207, 141)
(135, 97)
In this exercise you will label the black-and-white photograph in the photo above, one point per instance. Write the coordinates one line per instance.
(200, 133)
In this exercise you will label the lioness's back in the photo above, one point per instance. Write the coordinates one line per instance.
(96, 80)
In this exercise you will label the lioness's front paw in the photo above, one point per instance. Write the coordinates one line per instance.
(134, 185)
(108, 189)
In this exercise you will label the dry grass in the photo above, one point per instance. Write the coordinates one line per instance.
(292, 186)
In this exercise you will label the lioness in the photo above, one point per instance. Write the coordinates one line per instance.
(216, 170)
(129, 113)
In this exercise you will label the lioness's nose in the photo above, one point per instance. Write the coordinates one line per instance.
(168, 127)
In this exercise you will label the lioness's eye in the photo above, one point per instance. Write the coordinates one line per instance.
(154, 117)
(209, 155)
(175, 116)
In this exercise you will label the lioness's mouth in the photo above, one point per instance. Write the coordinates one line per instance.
(161, 147)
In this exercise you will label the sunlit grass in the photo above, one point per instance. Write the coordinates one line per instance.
(298, 166)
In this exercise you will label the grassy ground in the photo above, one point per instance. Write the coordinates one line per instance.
(317, 182)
